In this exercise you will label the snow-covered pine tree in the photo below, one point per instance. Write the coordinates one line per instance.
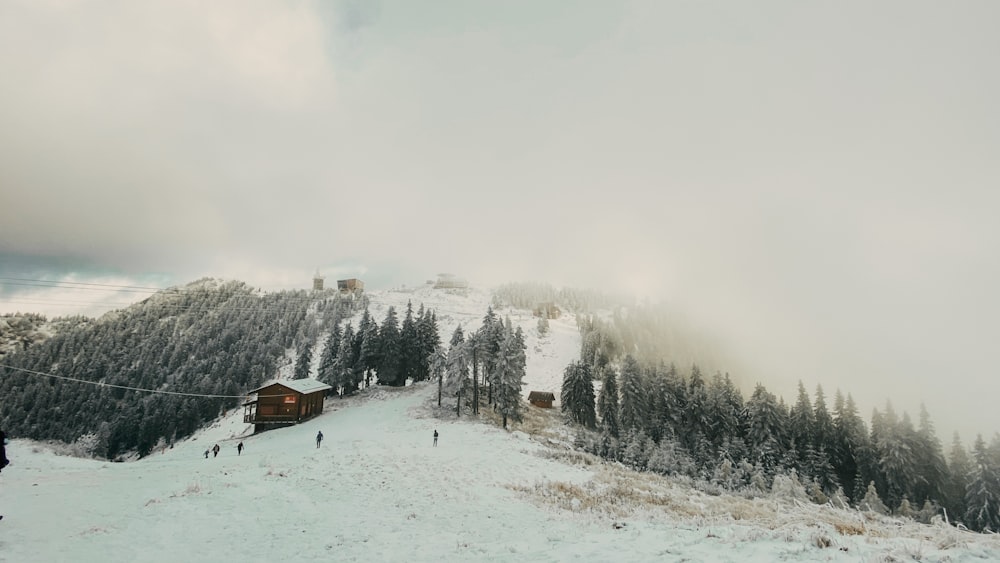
(959, 470)
(725, 404)
(409, 347)
(696, 416)
(389, 368)
(849, 439)
(342, 366)
(369, 356)
(303, 364)
(871, 501)
(439, 366)
(897, 458)
(931, 469)
(634, 398)
(428, 339)
(801, 426)
(510, 375)
(607, 403)
(668, 398)
(982, 502)
(330, 351)
(765, 429)
(457, 381)
(822, 421)
(577, 395)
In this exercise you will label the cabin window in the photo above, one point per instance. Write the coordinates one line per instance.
(290, 399)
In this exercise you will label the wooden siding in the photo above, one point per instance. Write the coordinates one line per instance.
(277, 404)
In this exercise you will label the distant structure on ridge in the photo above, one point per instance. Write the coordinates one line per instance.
(351, 285)
(547, 309)
(318, 282)
(450, 281)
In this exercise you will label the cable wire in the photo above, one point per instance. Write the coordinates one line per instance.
(140, 389)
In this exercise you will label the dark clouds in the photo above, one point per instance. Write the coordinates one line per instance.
(815, 183)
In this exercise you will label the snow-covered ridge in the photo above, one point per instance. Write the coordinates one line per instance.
(377, 490)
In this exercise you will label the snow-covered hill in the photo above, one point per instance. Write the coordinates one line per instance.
(378, 491)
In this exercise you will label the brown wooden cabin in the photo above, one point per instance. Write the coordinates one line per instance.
(541, 399)
(352, 285)
(284, 403)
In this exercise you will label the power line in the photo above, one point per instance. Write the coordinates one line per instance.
(59, 283)
(139, 389)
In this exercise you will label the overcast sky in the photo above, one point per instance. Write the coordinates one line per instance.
(816, 183)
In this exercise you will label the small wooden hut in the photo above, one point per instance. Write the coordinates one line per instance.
(541, 399)
(284, 403)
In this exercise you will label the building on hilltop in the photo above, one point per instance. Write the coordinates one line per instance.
(352, 285)
(450, 281)
(318, 282)
(547, 309)
(284, 403)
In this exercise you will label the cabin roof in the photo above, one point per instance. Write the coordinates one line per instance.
(541, 396)
(304, 386)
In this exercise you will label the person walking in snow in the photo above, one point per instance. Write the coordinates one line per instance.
(4, 462)
(215, 450)
(239, 448)
(206, 453)
(319, 438)
(435, 438)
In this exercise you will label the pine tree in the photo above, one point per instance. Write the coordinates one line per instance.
(982, 496)
(897, 459)
(607, 403)
(802, 423)
(304, 362)
(439, 367)
(725, 405)
(330, 351)
(634, 404)
(850, 438)
(428, 340)
(409, 347)
(543, 326)
(577, 395)
(510, 375)
(824, 442)
(457, 376)
(342, 367)
(871, 501)
(667, 415)
(931, 469)
(696, 417)
(369, 355)
(765, 429)
(390, 354)
(959, 470)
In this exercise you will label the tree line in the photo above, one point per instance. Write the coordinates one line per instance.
(394, 353)
(652, 417)
(208, 338)
(486, 366)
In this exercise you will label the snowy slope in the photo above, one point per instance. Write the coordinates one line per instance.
(377, 491)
